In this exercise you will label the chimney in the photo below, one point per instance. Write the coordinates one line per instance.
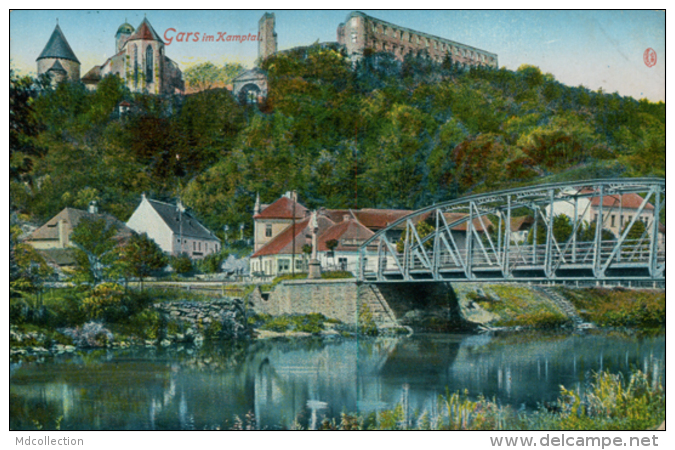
(63, 233)
(93, 207)
(292, 195)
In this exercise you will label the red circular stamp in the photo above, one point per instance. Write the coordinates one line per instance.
(649, 57)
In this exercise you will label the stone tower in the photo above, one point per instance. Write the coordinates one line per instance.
(267, 45)
(122, 36)
(58, 56)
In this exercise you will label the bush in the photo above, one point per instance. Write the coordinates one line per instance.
(211, 263)
(91, 334)
(111, 303)
(105, 302)
(336, 274)
(620, 308)
(181, 264)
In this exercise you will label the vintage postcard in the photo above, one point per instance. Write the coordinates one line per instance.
(337, 220)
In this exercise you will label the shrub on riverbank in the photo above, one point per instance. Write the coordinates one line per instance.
(609, 402)
(619, 307)
(519, 306)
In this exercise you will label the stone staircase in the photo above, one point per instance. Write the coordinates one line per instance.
(382, 313)
(565, 306)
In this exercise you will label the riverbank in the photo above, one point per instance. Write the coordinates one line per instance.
(533, 307)
(109, 316)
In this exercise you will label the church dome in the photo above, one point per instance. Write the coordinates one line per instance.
(125, 28)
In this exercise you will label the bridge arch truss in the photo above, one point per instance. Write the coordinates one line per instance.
(471, 239)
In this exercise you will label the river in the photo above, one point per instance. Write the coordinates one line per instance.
(282, 381)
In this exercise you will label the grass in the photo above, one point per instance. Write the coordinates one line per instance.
(519, 306)
(619, 307)
(270, 286)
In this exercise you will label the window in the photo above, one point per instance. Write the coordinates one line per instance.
(194, 246)
(200, 246)
(284, 265)
(135, 65)
(268, 230)
(613, 220)
(148, 64)
(354, 36)
(342, 263)
(298, 264)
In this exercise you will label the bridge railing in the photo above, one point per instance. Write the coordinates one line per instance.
(471, 235)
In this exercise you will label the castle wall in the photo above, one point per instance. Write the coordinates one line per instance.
(362, 32)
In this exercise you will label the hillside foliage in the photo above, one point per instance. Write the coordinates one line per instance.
(380, 134)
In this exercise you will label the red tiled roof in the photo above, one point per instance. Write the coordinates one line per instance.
(521, 223)
(454, 217)
(629, 201)
(350, 234)
(283, 243)
(145, 32)
(282, 209)
(377, 219)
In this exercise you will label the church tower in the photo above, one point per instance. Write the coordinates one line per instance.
(122, 36)
(145, 63)
(267, 45)
(58, 60)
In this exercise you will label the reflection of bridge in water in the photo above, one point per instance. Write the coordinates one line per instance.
(584, 251)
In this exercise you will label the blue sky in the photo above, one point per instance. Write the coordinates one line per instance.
(599, 49)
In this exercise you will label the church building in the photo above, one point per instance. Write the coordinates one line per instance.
(139, 60)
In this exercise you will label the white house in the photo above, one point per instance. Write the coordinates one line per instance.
(175, 230)
(617, 210)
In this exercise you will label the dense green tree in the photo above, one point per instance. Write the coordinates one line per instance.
(181, 264)
(94, 239)
(23, 126)
(141, 257)
(206, 75)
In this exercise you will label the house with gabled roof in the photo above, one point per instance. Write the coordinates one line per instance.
(174, 229)
(281, 231)
(55, 234)
(52, 240)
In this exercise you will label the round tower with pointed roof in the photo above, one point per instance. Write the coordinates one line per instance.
(122, 36)
(57, 57)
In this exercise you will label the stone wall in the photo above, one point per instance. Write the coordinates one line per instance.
(413, 304)
(335, 299)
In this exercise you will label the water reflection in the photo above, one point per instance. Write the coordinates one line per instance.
(281, 382)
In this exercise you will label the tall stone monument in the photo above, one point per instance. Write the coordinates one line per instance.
(314, 264)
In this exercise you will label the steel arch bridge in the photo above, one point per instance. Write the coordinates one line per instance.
(471, 239)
